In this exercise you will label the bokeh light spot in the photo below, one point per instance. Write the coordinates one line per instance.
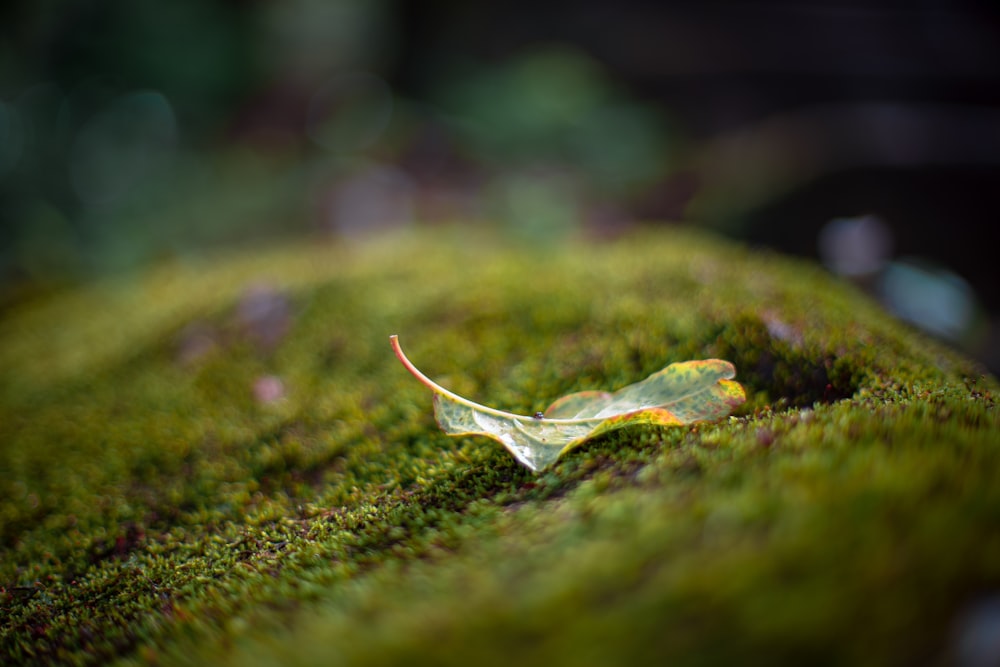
(122, 146)
(374, 199)
(855, 247)
(934, 299)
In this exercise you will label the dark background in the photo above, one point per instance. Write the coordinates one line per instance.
(136, 131)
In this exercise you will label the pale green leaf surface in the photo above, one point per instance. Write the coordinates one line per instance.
(681, 393)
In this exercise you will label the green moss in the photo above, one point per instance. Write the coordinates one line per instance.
(152, 509)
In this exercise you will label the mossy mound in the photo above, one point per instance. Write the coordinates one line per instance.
(224, 462)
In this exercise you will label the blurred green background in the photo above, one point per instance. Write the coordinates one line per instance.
(864, 134)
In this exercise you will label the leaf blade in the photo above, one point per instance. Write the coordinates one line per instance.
(679, 394)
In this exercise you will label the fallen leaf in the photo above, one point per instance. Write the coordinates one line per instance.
(681, 393)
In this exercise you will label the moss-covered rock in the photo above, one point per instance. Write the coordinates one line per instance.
(223, 462)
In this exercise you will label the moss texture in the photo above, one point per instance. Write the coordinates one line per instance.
(223, 462)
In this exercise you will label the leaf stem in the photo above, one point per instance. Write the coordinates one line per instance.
(394, 339)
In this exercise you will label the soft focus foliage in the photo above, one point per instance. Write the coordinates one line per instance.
(133, 131)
